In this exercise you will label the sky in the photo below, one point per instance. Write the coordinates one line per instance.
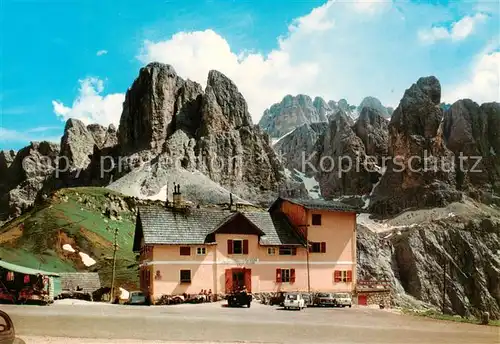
(63, 59)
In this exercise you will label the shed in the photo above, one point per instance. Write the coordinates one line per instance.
(87, 281)
(54, 278)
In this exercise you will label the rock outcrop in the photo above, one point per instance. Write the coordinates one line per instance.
(341, 160)
(420, 171)
(26, 176)
(292, 112)
(208, 132)
(6, 159)
(374, 103)
(372, 128)
(455, 258)
(471, 133)
(299, 145)
(149, 108)
(77, 143)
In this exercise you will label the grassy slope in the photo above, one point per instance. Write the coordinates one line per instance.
(76, 217)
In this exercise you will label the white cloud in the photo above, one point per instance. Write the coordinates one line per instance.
(307, 59)
(483, 83)
(346, 49)
(371, 6)
(101, 52)
(90, 106)
(315, 21)
(459, 30)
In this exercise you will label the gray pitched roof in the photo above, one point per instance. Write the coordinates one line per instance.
(319, 204)
(88, 281)
(191, 226)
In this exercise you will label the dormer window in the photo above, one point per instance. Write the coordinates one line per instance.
(237, 246)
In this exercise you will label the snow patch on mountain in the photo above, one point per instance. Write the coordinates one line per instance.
(310, 183)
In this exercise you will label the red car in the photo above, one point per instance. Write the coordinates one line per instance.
(29, 294)
(6, 296)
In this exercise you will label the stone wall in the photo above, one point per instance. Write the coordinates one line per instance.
(375, 297)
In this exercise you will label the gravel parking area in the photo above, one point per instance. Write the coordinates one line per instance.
(213, 322)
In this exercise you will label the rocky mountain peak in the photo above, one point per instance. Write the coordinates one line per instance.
(292, 112)
(372, 128)
(374, 103)
(471, 130)
(148, 108)
(431, 87)
(224, 106)
(415, 130)
(78, 142)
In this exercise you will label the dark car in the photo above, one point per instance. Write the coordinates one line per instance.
(136, 298)
(325, 300)
(277, 300)
(239, 299)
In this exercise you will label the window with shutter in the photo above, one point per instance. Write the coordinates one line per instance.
(245, 246)
(294, 251)
(349, 276)
(323, 247)
(336, 276)
(237, 247)
(229, 246)
(278, 275)
(292, 275)
(185, 251)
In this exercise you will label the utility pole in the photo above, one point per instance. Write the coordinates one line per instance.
(444, 286)
(114, 267)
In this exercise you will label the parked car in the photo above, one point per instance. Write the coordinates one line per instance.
(343, 299)
(294, 301)
(325, 300)
(239, 299)
(308, 298)
(277, 300)
(6, 296)
(136, 298)
(30, 294)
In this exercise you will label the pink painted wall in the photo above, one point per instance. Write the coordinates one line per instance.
(169, 262)
(338, 230)
(208, 271)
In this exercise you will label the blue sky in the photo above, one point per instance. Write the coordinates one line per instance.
(77, 58)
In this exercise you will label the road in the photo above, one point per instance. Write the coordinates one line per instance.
(215, 323)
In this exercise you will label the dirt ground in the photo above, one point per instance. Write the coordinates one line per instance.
(207, 323)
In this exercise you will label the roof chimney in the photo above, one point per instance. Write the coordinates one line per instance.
(232, 206)
(177, 199)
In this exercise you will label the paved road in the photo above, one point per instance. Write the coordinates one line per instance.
(264, 324)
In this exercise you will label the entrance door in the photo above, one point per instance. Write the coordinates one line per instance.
(362, 300)
(237, 278)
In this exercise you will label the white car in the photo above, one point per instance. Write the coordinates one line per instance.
(294, 301)
(343, 299)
